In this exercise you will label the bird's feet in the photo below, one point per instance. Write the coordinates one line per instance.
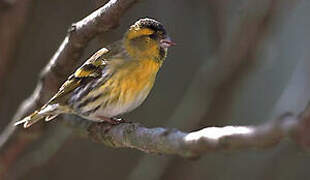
(119, 120)
(112, 121)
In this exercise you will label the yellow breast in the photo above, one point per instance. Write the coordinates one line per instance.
(135, 78)
(127, 88)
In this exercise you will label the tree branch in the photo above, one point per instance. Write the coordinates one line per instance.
(197, 143)
(59, 67)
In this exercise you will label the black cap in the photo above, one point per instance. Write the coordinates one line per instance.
(151, 24)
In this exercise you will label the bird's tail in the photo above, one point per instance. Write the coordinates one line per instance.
(47, 112)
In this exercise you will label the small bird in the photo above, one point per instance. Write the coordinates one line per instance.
(113, 81)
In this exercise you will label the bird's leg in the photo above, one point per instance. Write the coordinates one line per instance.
(113, 120)
(120, 120)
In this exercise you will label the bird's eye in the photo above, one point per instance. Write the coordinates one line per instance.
(153, 36)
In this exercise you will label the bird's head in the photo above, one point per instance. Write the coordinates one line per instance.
(147, 38)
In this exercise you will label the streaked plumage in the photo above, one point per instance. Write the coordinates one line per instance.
(115, 80)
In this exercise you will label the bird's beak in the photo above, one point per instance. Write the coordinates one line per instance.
(165, 43)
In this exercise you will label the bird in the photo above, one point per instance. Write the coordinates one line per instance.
(114, 80)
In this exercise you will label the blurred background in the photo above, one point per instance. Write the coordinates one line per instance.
(241, 62)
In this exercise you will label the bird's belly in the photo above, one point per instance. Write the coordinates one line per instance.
(123, 105)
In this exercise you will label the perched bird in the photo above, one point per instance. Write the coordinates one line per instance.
(115, 80)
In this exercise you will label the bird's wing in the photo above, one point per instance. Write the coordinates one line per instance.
(92, 69)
